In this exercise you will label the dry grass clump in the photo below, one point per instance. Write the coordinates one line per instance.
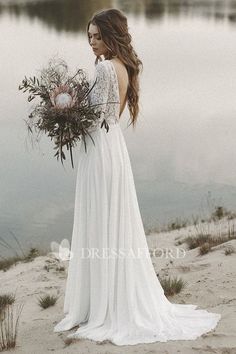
(9, 321)
(177, 224)
(206, 242)
(172, 286)
(220, 212)
(46, 301)
(6, 299)
(196, 241)
(205, 248)
(229, 250)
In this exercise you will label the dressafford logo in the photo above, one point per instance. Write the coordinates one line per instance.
(62, 252)
(130, 253)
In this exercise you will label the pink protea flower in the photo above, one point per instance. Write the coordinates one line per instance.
(63, 96)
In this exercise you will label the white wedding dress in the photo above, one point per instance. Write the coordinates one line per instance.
(116, 295)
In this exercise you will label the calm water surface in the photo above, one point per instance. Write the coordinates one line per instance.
(184, 146)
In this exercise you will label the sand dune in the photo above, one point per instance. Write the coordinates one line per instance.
(211, 285)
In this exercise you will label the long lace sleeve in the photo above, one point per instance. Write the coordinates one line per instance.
(98, 96)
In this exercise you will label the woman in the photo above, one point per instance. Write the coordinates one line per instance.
(112, 290)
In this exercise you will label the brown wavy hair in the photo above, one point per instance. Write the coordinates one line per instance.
(113, 29)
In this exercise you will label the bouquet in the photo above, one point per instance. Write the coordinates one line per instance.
(63, 112)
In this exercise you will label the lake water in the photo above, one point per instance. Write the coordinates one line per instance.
(184, 148)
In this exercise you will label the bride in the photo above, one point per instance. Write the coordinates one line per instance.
(112, 291)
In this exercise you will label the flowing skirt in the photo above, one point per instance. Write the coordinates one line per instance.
(112, 290)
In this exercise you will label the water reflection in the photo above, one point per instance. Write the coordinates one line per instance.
(187, 111)
(72, 15)
(62, 15)
(219, 10)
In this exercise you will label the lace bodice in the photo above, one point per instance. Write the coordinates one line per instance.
(105, 94)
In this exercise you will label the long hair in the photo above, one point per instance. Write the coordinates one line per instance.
(113, 29)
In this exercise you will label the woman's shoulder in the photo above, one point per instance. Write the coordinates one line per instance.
(102, 67)
(102, 64)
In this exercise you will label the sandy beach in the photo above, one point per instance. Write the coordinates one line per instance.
(211, 284)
